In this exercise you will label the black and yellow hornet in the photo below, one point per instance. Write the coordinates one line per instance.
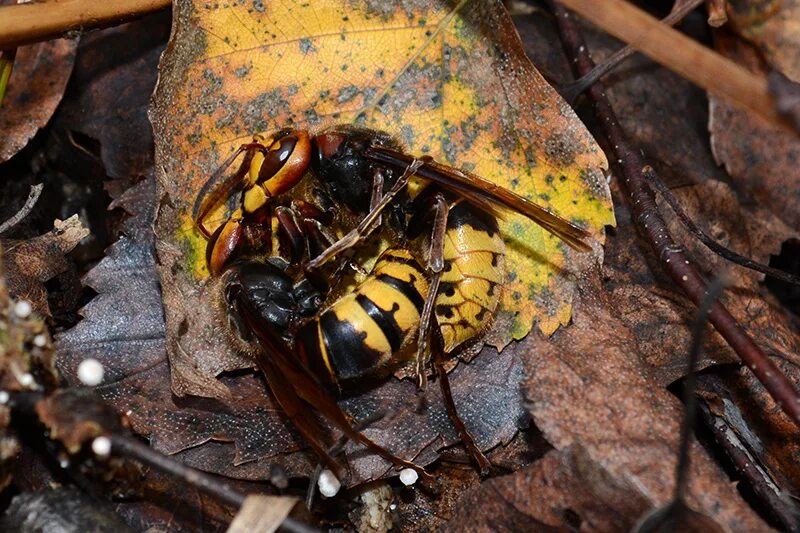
(448, 215)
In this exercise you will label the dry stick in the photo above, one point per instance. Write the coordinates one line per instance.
(572, 90)
(762, 482)
(33, 197)
(32, 22)
(129, 447)
(710, 243)
(24, 403)
(674, 260)
(716, 74)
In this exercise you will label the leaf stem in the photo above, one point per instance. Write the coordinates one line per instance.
(40, 21)
(723, 251)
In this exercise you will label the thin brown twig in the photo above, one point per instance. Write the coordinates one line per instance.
(704, 67)
(40, 21)
(766, 486)
(125, 446)
(710, 243)
(33, 197)
(676, 263)
(680, 9)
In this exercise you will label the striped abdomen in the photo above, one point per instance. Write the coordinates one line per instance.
(370, 327)
(474, 255)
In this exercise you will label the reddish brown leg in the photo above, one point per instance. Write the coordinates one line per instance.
(466, 437)
(435, 265)
(290, 233)
(208, 199)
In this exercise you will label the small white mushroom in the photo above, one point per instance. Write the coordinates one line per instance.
(23, 309)
(101, 446)
(90, 372)
(408, 476)
(328, 483)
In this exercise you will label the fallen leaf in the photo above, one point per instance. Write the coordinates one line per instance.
(760, 159)
(109, 92)
(567, 490)
(34, 90)
(587, 388)
(424, 72)
(422, 511)
(30, 263)
(773, 26)
(787, 97)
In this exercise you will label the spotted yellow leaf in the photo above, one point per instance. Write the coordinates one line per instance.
(448, 79)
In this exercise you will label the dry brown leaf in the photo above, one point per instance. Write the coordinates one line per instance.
(754, 232)
(109, 93)
(34, 90)
(761, 159)
(566, 490)
(773, 26)
(587, 387)
(30, 263)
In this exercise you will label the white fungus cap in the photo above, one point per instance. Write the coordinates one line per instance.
(90, 372)
(408, 476)
(328, 483)
(23, 309)
(101, 446)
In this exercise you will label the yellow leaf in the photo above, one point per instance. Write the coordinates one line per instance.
(450, 80)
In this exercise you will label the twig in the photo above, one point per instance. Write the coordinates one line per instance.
(710, 243)
(765, 484)
(674, 260)
(680, 9)
(39, 21)
(716, 74)
(125, 446)
(33, 197)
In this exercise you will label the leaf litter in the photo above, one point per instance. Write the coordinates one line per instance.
(647, 346)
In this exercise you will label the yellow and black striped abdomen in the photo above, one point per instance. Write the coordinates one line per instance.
(370, 327)
(474, 259)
